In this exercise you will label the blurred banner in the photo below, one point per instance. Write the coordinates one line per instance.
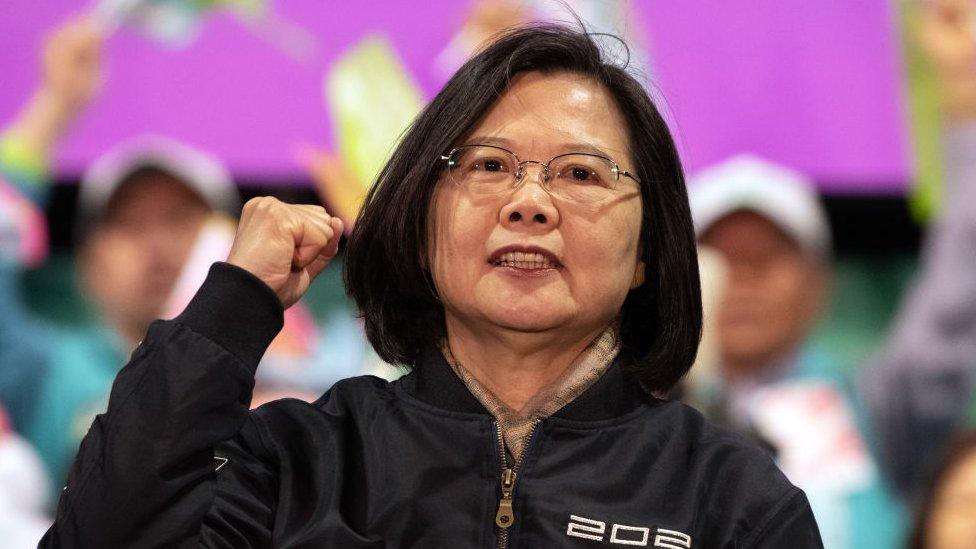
(817, 86)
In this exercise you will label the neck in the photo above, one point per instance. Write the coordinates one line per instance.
(515, 366)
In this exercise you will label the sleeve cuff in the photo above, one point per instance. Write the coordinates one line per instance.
(236, 310)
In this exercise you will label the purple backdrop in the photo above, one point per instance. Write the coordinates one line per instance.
(813, 85)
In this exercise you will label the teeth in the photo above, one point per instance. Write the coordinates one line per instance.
(524, 260)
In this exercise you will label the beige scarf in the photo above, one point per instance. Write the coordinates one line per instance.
(516, 426)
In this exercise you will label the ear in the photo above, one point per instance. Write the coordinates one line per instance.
(638, 275)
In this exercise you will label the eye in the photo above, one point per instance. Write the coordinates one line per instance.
(485, 165)
(581, 174)
(492, 165)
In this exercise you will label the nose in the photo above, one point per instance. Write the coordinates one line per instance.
(168, 241)
(746, 270)
(531, 205)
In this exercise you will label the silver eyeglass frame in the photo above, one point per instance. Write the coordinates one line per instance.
(520, 164)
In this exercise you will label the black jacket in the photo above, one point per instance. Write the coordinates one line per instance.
(177, 460)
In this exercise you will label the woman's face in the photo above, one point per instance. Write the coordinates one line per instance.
(589, 254)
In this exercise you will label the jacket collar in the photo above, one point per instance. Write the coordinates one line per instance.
(434, 382)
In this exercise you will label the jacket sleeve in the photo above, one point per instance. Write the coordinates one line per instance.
(917, 387)
(177, 460)
(791, 524)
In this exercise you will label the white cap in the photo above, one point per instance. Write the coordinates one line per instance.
(199, 171)
(745, 182)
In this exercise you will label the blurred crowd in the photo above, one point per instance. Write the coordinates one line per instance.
(887, 456)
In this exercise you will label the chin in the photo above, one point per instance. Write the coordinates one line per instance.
(530, 318)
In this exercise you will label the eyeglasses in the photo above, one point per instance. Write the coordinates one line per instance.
(578, 177)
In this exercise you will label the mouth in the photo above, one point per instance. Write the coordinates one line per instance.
(526, 258)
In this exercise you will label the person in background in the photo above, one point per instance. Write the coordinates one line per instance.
(770, 382)
(72, 74)
(141, 206)
(921, 384)
(918, 388)
(946, 517)
(150, 211)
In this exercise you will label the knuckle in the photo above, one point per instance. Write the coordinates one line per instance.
(258, 203)
(288, 224)
(314, 210)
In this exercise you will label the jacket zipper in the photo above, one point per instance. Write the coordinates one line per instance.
(505, 516)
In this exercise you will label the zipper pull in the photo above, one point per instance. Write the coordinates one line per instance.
(505, 515)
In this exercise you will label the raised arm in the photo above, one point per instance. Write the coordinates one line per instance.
(71, 65)
(177, 460)
(71, 71)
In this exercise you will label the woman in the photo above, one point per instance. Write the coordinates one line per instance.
(528, 252)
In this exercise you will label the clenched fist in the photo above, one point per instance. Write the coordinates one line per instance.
(285, 245)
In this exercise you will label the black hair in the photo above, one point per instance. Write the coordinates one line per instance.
(385, 261)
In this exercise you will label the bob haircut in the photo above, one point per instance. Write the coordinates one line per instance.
(385, 264)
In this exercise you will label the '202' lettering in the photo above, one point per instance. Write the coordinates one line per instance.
(584, 528)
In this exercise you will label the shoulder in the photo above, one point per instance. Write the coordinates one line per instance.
(722, 452)
(332, 428)
(739, 480)
(346, 400)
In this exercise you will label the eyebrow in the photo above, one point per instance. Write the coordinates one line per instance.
(489, 140)
(576, 147)
(584, 148)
